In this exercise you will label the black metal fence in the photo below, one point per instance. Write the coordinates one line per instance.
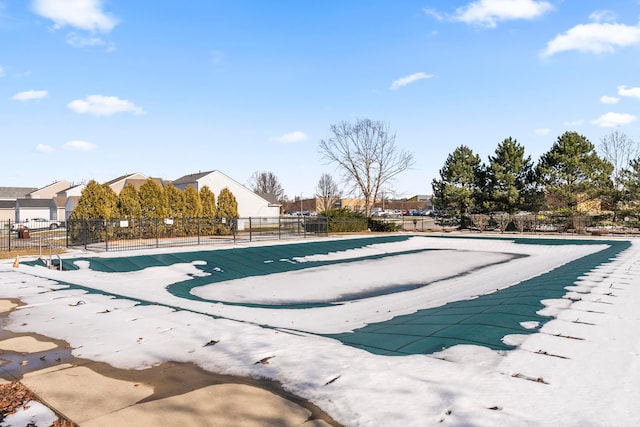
(13, 237)
(128, 234)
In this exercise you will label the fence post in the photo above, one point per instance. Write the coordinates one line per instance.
(9, 235)
(304, 228)
(250, 230)
(106, 234)
(234, 226)
(279, 227)
(157, 242)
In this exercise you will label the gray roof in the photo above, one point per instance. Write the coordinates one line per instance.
(7, 204)
(34, 203)
(188, 179)
(15, 192)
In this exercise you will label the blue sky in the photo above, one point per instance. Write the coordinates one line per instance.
(95, 89)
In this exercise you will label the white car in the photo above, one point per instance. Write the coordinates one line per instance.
(36, 224)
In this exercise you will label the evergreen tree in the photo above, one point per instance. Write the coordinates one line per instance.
(572, 171)
(457, 188)
(227, 211)
(208, 200)
(208, 221)
(96, 202)
(510, 178)
(192, 202)
(128, 203)
(153, 200)
(175, 201)
(631, 181)
(227, 204)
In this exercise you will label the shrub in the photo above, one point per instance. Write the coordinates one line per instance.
(345, 221)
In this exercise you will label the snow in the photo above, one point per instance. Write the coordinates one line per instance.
(581, 368)
(33, 414)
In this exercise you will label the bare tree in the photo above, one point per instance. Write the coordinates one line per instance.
(267, 185)
(618, 149)
(327, 192)
(502, 219)
(366, 155)
(480, 221)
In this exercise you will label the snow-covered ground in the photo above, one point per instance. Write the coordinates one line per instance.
(581, 369)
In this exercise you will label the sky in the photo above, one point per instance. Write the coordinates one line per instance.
(578, 366)
(94, 89)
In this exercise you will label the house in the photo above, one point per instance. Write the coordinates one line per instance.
(49, 191)
(8, 197)
(63, 199)
(249, 203)
(69, 205)
(7, 210)
(35, 208)
(118, 183)
(15, 193)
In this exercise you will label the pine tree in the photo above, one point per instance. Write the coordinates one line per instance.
(176, 201)
(208, 221)
(572, 170)
(208, 200)
(128, 204)
(192, 202)
(227, 211)
(96, 202)
(458, 186)
(227, 204)
(510, 178)
(153, 200)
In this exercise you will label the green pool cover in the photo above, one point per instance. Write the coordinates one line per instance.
(481, 321)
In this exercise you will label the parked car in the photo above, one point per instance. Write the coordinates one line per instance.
(36, 224)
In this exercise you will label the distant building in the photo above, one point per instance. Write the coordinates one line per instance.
(8, 197)
(7, 210)
(249, 203)
(15, 193)
(35, 208)
(49, 191)
(117, 184)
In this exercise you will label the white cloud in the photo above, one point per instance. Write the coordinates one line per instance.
(100, 105)
(29, 95)
(488, 12)
(574, 123)
(293, 137)
(609, 99)
(595, 37)
(76, 40)
(542, 131)
(434, 13)
(1, 71)
(78, 145)
(43, 148)
(629, 91)
(612, 120)
(603, 16)
(397, 84)
(83, 14)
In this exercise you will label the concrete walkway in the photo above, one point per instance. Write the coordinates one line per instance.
(94, 394)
